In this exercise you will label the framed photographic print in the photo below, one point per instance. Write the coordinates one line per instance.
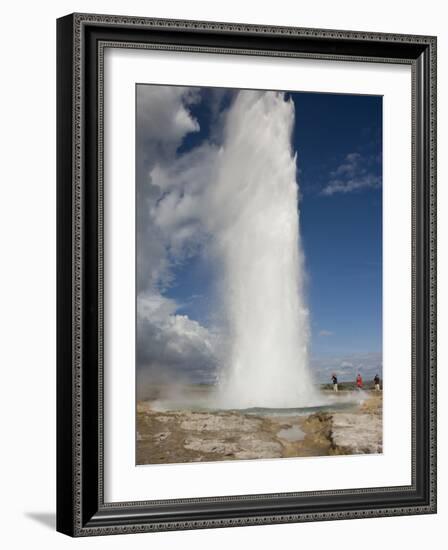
(246, 274)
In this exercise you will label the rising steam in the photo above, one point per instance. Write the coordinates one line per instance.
(256, 238)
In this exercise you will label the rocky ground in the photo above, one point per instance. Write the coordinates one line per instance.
(204, 436)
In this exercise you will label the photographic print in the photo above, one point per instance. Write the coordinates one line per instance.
(258, 274)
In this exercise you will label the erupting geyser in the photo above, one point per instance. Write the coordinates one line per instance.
(257, 241)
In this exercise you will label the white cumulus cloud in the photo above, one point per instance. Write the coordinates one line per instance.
(167, 230)
(353, 174)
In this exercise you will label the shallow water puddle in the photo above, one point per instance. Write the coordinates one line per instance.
(291, 434)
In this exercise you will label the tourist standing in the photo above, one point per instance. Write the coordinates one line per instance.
(359, 381)
(335, 382)
(376, 381)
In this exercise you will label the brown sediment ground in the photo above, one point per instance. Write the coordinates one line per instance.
(203, 436)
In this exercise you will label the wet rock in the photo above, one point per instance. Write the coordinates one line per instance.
(165, 418)
(357, 434)
(244, 448)
(256, 448)
(161, 436)
(210, 445)
(213, 422)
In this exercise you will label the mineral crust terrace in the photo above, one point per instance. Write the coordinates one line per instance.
(179, 436)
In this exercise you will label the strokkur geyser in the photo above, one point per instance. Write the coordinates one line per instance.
(256, 238)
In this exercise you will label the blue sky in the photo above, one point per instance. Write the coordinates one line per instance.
(338, 141)
(341, 230)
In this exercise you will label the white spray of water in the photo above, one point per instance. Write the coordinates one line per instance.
(255, 225)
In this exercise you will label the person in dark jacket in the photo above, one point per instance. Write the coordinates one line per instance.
(335, 382)
(376, 381)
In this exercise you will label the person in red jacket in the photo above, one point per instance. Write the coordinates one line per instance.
(359, 381)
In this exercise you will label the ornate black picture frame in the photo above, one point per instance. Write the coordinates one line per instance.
(81, 508)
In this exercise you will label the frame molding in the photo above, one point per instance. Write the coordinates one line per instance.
(81, 39)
